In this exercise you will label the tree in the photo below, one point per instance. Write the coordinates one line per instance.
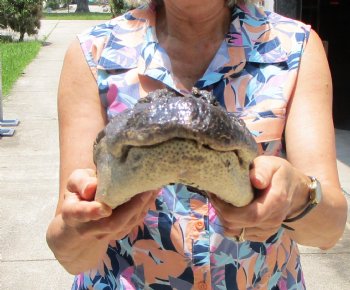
(82, 6)
(3, 21)
(22, 16)
(118, 7)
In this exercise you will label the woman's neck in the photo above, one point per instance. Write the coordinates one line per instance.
(191, 32)
(189, 22)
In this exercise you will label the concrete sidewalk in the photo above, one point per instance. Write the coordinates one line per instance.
(29, 167)
(329, 270)
(29, 180)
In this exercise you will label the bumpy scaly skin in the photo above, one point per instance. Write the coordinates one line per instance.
(167, 139)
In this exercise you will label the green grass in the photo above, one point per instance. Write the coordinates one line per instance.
(77, 16)
(15, 56)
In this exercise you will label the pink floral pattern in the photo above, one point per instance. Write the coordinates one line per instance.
(181, 244)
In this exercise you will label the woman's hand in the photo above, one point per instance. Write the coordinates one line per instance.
(281, 191)
(80, 233)
(92, 218)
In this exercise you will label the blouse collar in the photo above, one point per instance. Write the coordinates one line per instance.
(133, 44)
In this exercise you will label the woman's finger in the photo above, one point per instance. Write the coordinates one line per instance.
(74, 210)
(251, 234)
(262, 170)
(123, 218)
(83, 182)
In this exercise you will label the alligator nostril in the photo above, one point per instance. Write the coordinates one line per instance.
(124, 154)
(239, 157)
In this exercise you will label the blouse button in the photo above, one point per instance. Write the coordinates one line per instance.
(199, 225)
(202, 285)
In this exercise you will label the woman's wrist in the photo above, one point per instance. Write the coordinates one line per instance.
(301, 197)
(75, 252)
(62, 239)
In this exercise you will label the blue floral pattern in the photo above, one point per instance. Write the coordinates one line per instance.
(181, 244)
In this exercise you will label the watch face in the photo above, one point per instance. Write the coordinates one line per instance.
(318, 192)
(315, 190)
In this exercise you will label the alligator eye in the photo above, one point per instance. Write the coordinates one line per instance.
(240, 122)
(196, 92)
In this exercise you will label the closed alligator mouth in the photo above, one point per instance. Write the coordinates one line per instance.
(126, 149)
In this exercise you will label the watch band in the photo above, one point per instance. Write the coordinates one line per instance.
(312, 203)
(302, 214)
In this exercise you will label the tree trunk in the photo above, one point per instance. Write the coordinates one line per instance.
(21, 35)
(82, 6)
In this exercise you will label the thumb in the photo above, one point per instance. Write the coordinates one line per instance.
(89, 190)
(83, 182)
(261, 172)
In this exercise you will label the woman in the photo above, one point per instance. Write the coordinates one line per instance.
(273, 73)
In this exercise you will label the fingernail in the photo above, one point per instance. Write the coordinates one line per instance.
(88, 191)
(86, 187)
(104, 212)
(259, 178)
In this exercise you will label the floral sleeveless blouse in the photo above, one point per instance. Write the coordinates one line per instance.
(181, 245)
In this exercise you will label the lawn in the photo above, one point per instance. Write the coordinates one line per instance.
(77, 16)
(15, 56)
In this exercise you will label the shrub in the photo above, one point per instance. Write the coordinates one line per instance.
(118, 7)
(52, 4)
(22, 16)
